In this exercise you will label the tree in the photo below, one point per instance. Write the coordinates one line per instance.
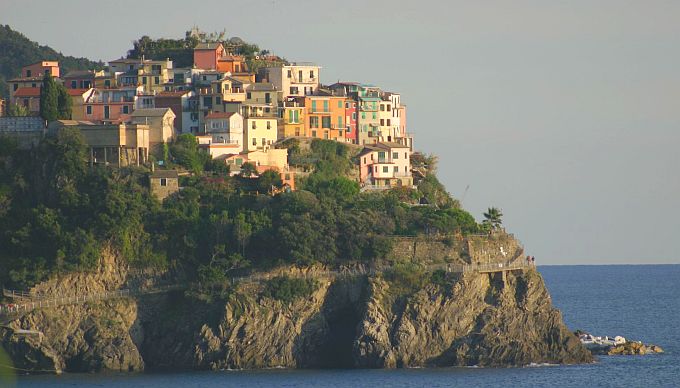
(64, 103)
(242, 231)
(268, 180)
(248, 170)
(49, 99)
(492, 218)
(17, 110)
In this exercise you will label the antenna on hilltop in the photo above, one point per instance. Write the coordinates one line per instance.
(462, 198)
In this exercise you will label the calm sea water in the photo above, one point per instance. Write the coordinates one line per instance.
(638, 302)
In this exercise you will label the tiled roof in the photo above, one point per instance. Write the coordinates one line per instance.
(219, 115)
(27, 92)
(150, 112)
(79, 73)
(164, 174)
(76, 92)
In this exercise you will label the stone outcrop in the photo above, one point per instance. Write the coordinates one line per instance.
(486, 319)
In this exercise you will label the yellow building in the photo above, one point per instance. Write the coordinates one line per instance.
(293, 118)
(260, 133)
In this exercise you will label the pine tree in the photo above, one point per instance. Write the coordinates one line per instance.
(49, 96)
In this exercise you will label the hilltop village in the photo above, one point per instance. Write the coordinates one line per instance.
(129, 111)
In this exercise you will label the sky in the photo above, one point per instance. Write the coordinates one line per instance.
(564, 114)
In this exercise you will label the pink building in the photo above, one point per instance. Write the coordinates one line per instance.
(28, 98)
(351, 120)
(385, 165)
(110, 105)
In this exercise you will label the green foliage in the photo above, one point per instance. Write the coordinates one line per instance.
(435, 193)
(49, 99)
(185, 152)
(269, 180)
(25, 52)
(405, 278)
(16, 110)
(181, 51)
(64, 103)
(248, 170)
(493, 218)
(287, 289)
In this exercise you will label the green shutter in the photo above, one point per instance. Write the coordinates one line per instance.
(313, 106)
(325, 106)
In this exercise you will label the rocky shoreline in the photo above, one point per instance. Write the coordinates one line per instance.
(615, 346)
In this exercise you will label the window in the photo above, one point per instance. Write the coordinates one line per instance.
(267, 98)
(339, 103)
(218, 100)
(88, 109)
(314, 122)
(313, 106)
(269, 124)
(287, 177)
(375, 169)
(253, 125)
(156, 80)
(106, 111)
(311, 74)
(388, 122)
(386, 169)
(164, 181)
(395, 155)
(254, 141)
(326, 122)
(354, 115)
(249, 95)
(16, 86)
(74, 84)
(126, 109)
(313, 133)
(375, 115)
(382, 122)
(290, 74)
(300, 76)
(347, 105)
(33, 85)
(389, 108)
(396, 169)
(264, 141)
(339, 121)
(107, 83)
(325, 106)
(207, 101)
(382, 107)
(293, 89)
(239, 161)
(143, 80)
(405, 155)
(363, 115)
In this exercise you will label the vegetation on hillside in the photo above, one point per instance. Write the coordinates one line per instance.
(24, 52)
(210, 230)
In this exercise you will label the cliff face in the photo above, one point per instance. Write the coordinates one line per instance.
(358, 321)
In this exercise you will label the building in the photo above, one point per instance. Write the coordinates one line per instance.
(385, 165)
(385, 131)
(260, 133)
(78, 99)
(111, 105)
(185, 107)
(293, 118)
(325, 117)
(27, 131)
(111, 144)
(80, 79)
(263, 160)
(225, 128)
(160, 122)
(163, 183)
(368, 121)
(152, 76)
(28, 98)
(351, 121)
(296, 79)
(40, 69)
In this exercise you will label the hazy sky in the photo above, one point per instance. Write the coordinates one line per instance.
(565, 114)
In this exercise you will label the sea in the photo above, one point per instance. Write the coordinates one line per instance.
(640, 302)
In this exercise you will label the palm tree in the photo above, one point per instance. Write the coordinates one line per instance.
(492, 218)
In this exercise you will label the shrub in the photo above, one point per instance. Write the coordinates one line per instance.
(287, 289)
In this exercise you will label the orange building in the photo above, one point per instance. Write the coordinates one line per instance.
(39, 69)
(325, 117)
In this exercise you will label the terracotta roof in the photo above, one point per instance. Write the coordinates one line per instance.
(219, 115)
(173, 94)
(151, 112)
(79, 73)
(76, 92)
(27, 92)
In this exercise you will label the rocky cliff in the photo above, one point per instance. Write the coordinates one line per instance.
(486, 319)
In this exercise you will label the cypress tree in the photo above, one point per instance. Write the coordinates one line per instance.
(49, 96)
(64, 103)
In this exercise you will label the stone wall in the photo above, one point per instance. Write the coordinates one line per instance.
(457, 249)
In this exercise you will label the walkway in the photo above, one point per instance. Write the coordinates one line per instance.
(27, 302)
